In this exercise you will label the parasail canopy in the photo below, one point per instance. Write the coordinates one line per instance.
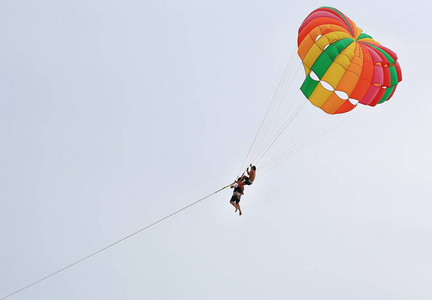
(343, 65)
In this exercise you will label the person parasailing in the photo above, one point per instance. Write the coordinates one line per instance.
(238, 187)
(248, 180)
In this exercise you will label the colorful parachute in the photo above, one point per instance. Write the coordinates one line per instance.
(343, 65)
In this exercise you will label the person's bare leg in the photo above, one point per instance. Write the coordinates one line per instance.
(234, 204)
(240, 213)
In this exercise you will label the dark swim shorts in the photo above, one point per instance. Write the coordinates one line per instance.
(247, 181)
(235, 198)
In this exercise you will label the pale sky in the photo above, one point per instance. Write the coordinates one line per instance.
(114, 114)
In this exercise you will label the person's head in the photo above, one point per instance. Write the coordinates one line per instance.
(238, 179)
(254, 168)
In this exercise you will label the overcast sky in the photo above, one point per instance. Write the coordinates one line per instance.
(114, 114)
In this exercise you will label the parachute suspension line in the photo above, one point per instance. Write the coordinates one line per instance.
(302, 130)
(303, 138)
(112, 244)
(270, 109)
(276, 120)
(276, 134)
(271, 142)
(307, 139)
(282, 106)
(268, 121)
(295, 135)
(279, 110)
